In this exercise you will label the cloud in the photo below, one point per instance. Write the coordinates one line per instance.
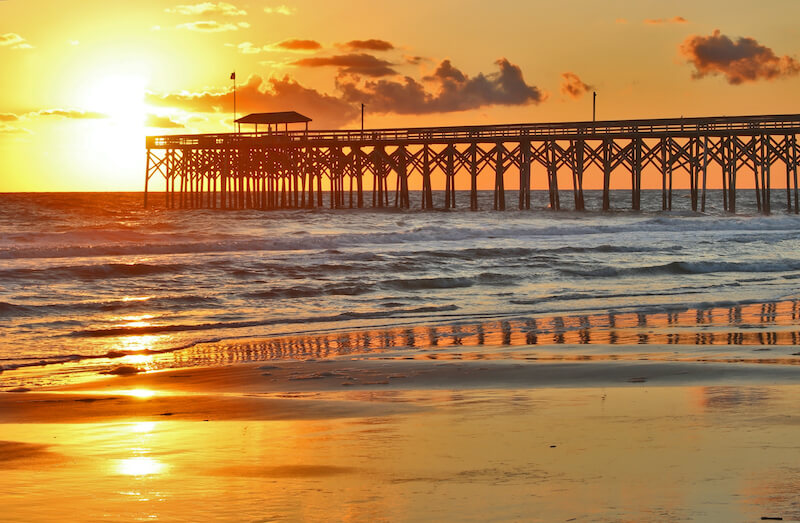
(73, 114)
(8, 117)
(415, 60)
(205, 8)
(621, 21)
(354, 63)
(212, 26)
(664, 21)
(8, 129)
(162, 122)
(247, 48)
(573, 86)
(14, 41)
(296, 44)
(453, 91)
(258, 95)
(280, 10)
(373, 44)
(740, 61)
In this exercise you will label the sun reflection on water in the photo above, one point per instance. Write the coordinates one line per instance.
(137, 393)
(140, 466)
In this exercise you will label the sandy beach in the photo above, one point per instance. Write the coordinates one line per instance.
(382, 439)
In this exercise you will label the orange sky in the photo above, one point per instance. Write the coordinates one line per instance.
(81, 87)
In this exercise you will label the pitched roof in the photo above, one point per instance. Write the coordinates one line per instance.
(267, 118)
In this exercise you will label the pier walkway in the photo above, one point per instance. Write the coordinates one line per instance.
(308, 168)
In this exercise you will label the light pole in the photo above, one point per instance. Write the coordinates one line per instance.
(362, 118)
(594, 105)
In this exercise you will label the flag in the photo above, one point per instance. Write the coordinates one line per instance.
(233, 76)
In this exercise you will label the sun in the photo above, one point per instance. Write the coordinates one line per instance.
(121, 97)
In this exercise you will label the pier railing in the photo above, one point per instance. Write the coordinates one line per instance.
(291, 169)
(673, 127)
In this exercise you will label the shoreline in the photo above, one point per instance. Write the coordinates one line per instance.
(332, 388)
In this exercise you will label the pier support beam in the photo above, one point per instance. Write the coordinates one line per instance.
(525, 175)
(499, 188)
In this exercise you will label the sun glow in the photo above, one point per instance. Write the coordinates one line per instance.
(140, 466)
(120, 97)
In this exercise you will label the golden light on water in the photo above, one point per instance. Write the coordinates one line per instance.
(136, 298)
(137, 393)
(140, 466)
(142, 427)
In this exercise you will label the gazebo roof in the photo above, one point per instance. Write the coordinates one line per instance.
(273, 118)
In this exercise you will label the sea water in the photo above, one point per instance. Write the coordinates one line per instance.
(89, 279)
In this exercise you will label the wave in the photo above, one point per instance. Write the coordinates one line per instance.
(147, 303)
(155, 329)
(683, 267)
(89, 272)
(537, 226)
(307, 291)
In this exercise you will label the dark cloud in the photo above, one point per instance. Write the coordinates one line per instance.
(373, 44)
(453, 91)
(162, 122)
(73, 114)
(296, 44)
(573, 86)
(257, 95)
(743, 60)
(354, 63)
(664, 21)
(8, 117)
(415, 60)
(221, 8)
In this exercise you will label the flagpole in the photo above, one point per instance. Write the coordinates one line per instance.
(233, 77)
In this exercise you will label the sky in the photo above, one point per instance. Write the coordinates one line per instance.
(81, 86)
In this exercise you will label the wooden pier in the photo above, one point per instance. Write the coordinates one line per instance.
(304, 169)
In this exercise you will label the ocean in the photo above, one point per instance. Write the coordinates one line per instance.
(92, 281)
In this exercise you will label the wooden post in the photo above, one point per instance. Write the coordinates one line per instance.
(788, 162)
(426, 199)
(525, 175)
(663, 174)
(451, 177)
(378, 176)
(693, 170)
(794, 171)
(725, 160)
(669, 175)
(473, 173)
(360, 173)
(577, 178)
(499, 189)
(146, 177)
(705, 172)
(636, 174)
(310, 170)
(765, 185)
(606, 174)
(733, 159)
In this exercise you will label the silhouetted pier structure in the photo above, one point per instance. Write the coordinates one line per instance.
(279, 169)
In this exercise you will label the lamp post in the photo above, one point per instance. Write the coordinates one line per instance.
(594, 105)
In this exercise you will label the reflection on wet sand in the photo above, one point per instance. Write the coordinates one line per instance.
(757, 325)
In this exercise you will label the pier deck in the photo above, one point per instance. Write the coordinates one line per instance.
(286, 169)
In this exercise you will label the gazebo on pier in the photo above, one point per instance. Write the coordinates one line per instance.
(270, 119)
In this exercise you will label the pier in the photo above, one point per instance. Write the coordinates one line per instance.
(280, 168)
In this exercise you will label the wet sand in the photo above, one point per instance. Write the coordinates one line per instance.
(392, 439)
